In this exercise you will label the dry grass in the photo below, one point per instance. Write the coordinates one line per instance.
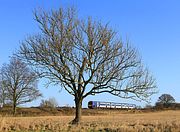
(168, 121)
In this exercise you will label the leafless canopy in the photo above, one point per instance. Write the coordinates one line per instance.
(51, 102)
(166, 99)
(19, 82)
(86, 57)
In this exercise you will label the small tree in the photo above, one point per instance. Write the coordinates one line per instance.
(85, 58)
(51, 102)
(166, 100)
(20, 82)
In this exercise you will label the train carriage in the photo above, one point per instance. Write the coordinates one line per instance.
(112, 105)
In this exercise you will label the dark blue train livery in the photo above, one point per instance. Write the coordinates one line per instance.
(99, 104)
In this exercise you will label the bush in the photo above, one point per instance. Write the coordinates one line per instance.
(51, 102)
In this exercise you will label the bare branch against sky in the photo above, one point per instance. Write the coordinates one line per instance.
(85, 57)
(19, 83)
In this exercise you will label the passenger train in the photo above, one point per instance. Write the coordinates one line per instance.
(112, 105)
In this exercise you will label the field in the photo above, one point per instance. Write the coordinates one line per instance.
(168, 121)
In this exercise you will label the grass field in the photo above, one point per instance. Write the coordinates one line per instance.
(165, 121)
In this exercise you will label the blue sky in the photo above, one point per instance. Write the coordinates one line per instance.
(153, 27)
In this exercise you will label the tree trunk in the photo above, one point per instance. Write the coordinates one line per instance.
(77, 119)
(14, 109)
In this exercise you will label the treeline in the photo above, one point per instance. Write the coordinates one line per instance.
(169, 106)
(165, 101)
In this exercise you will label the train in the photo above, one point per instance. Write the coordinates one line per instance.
(110, 105)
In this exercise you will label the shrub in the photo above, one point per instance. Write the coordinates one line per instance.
(51, 102)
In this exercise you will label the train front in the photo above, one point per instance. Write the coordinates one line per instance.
(92, 104)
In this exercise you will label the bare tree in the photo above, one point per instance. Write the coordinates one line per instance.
(165, 100)
(20, 83)
(51, 102)
(86, 58)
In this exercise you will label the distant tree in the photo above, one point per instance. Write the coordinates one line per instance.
(3, 92)
(20, 82)
(85, 58)
(44, 103)
(165, 100)
(51, 102)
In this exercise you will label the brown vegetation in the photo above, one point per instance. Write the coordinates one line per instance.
(60, 111)
(104, 120)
